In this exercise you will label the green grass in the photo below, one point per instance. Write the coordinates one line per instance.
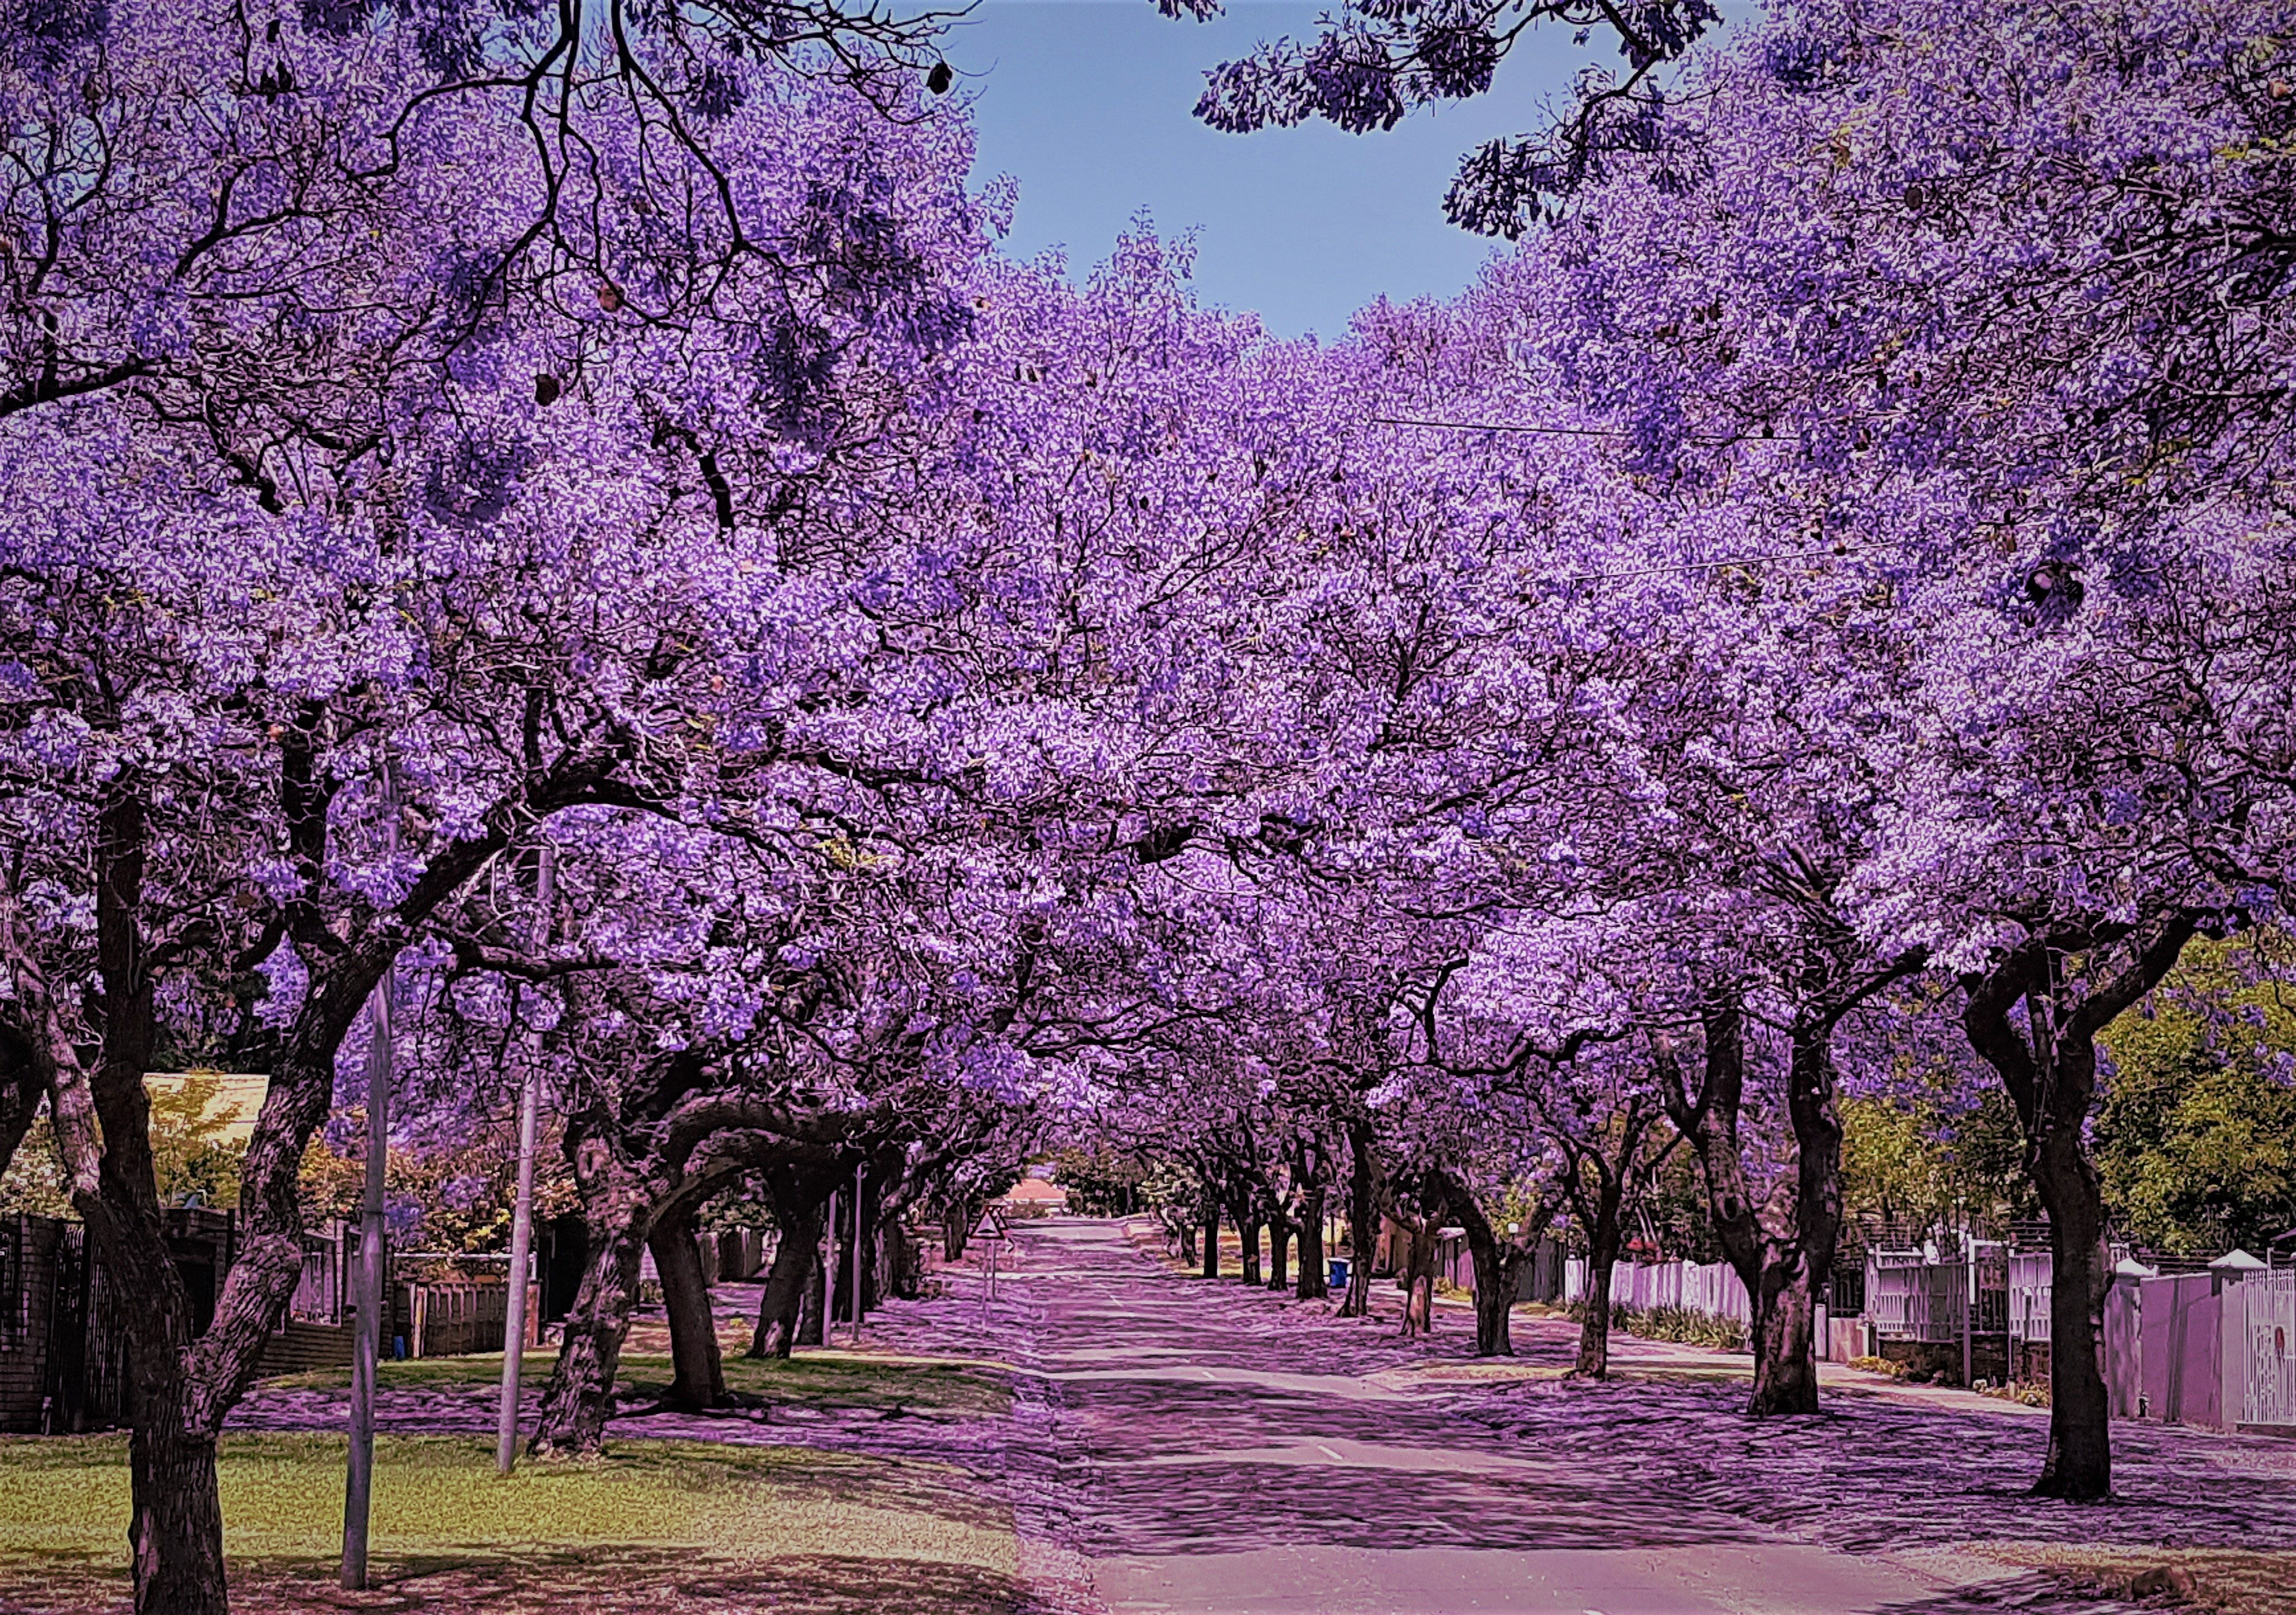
(826, 1381)
(669, 1525)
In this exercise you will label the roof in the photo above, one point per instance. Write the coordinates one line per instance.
(238, 1096)
(1036, 1191)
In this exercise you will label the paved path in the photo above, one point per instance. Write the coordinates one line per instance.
(1227, 1451)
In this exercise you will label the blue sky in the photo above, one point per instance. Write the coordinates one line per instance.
(1089, 104)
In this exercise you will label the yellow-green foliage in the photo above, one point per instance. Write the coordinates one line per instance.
(1914, 1159)
(2196, 1140)
(189, 1153)
(34, 1179)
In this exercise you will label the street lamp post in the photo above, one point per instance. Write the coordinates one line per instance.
(366, 1341)
(521, 1218)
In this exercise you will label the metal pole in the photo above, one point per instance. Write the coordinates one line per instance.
(521, 1215)
(366, 1341)
(1968, 1305)
(860, 1197)
(829, 1273)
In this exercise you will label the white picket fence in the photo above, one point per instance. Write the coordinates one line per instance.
(1711, 1287)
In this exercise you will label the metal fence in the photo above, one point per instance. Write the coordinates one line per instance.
(1914, 1298)
(2028, 1283)
(2267, 1302)
(1943, 1301)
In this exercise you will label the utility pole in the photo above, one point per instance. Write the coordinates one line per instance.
(860, 1197)
(829, 1274)
(366, 1341)
(521, 1216)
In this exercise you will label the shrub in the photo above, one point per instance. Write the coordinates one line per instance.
(1685, 1325)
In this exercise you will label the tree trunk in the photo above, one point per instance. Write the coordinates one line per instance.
(1211, 1242)
(1419, 1281)
(1784, 1340)
(1279, 1253)
(876, 1254)
(903, 1262)
(2079, 1463)
(21, 1091)
(698, 1382)
(1247, 1228)
(1495, 1277)
(580, 1396)
(812, 1328)
(795, 1257)
(2048, 1065)
(1420, 1278)
(955, 1232)
(1182, 1229)
(1363, 1210)
(1315, 1273)
(1595, 1321)
(1781, 1251)
(176, 1530)
(102, 1117)
(851, 1257)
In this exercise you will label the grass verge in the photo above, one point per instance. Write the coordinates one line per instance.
(828, 1380)
(655, 1525)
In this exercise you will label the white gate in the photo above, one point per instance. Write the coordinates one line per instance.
(2268, 1384)
(2029, 1273)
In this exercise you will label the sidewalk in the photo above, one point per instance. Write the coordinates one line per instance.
(1929, 1480)
(1547, 1342)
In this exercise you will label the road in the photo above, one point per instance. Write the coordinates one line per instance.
(1222, 1452)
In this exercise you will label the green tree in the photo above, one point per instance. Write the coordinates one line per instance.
(1915, 1161)
(1101, 1182)
(2196, 1139)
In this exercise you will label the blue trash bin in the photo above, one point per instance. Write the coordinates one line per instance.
(1339, 1273)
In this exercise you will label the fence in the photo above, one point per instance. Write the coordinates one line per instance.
(1710, 1287)
(321, 1287)
(455, 1319)
(2267, 1339)
(2029, 1295)
(728, 1256)
(1907, 1298)
(1911, 1296)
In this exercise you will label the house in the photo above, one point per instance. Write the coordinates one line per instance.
(1034, 1197)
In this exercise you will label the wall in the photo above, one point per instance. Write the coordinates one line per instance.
(2191, 1359)
(28, 1247)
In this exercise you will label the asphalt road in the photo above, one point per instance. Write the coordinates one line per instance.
(1218, 1461)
